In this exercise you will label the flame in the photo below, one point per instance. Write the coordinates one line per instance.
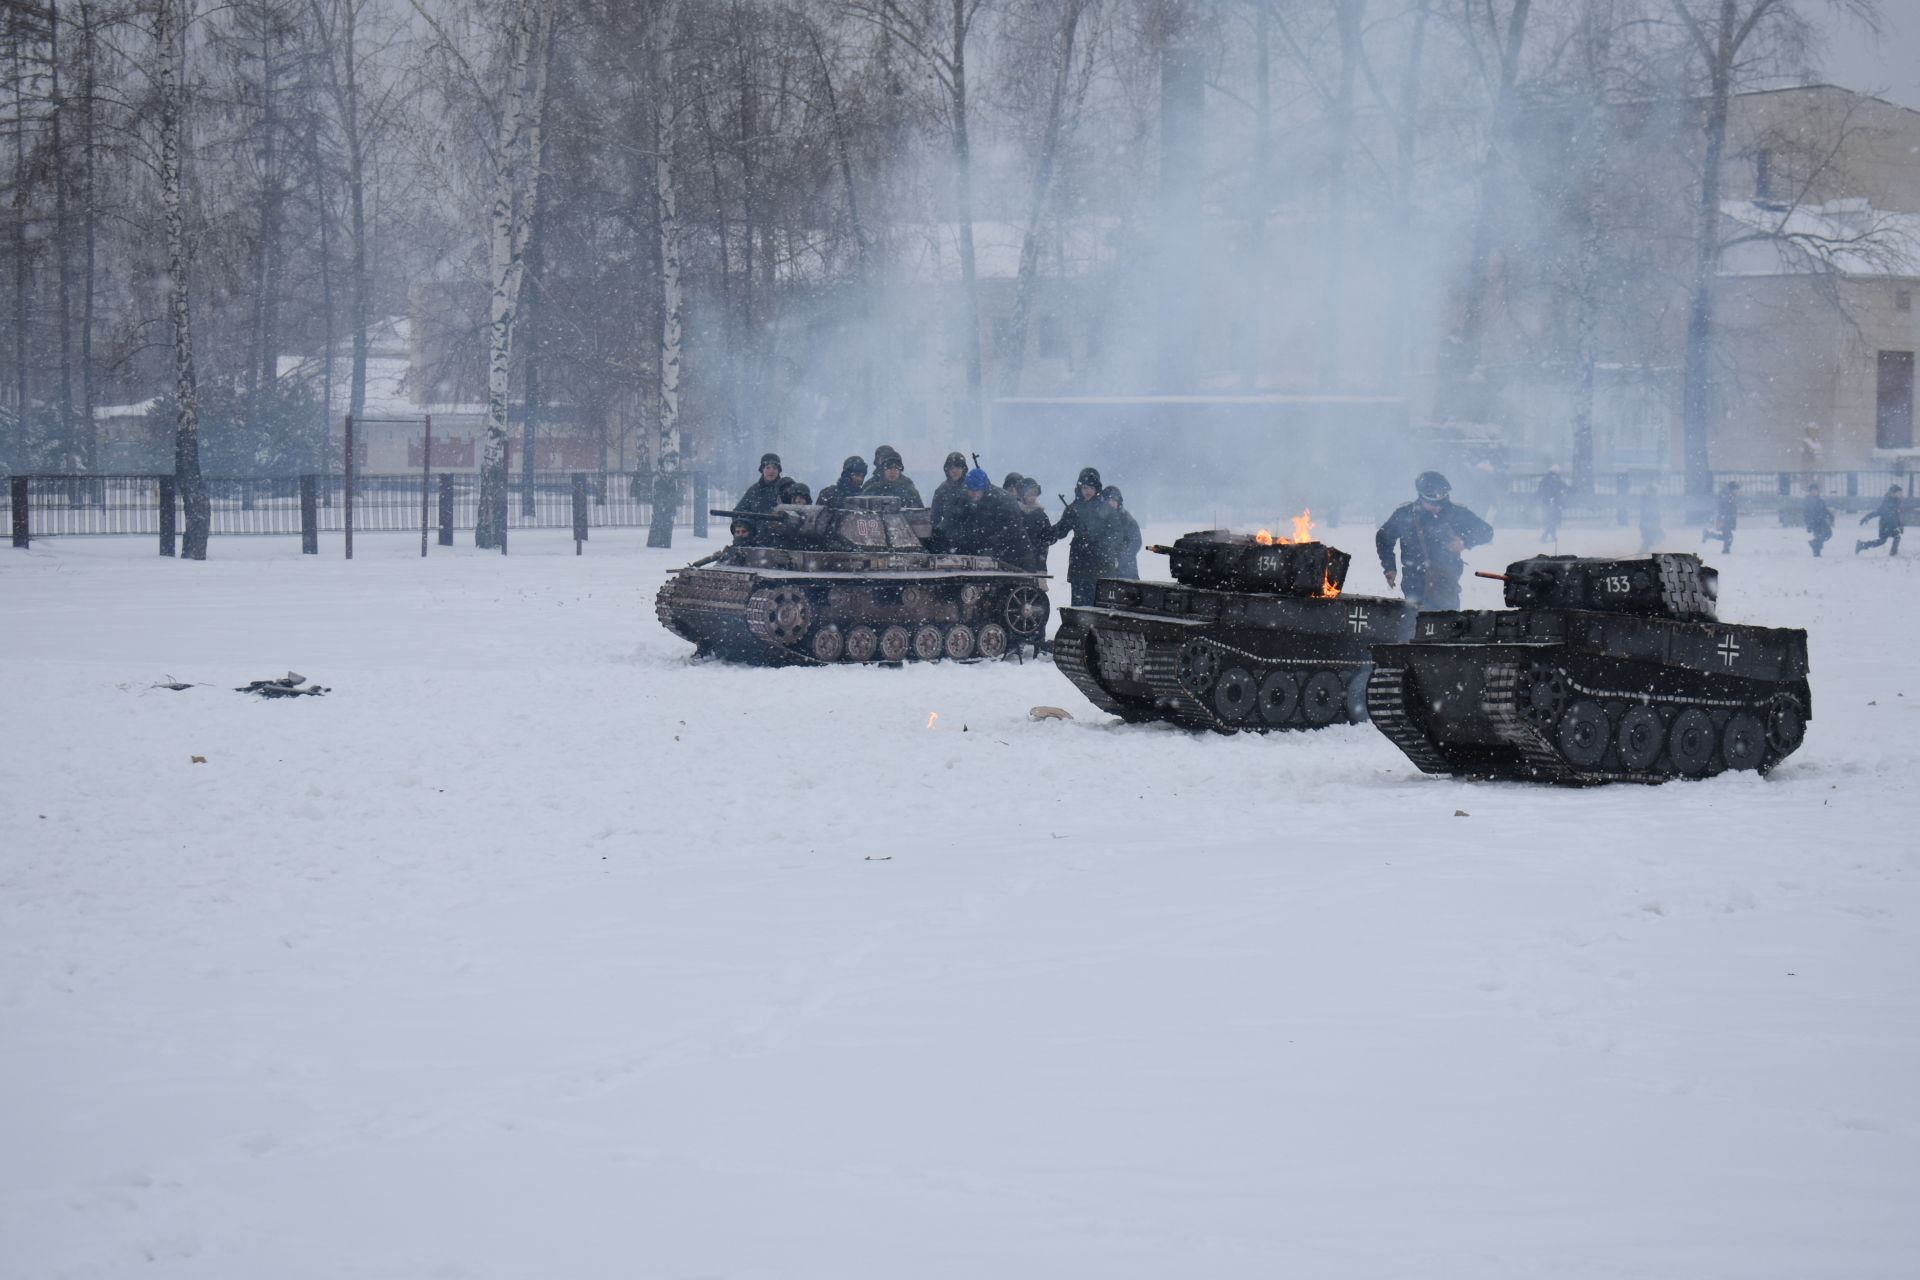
(1264, 538)
(931, 717)
(1329, 589)
(1303, 526)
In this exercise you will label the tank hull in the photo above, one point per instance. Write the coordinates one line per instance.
(1225, 661)
(1583, 697)
(809, 610)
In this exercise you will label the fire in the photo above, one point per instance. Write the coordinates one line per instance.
(1264, 538)
(931, 717)
(1303, 526)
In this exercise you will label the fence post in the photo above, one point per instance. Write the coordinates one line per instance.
(22, 532)
(579, 510)
(699, 504)
(169, 488)
(446, 508)
(309, 515)
(426, 481)
(346, 473)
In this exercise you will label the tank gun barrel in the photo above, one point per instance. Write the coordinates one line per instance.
(1159, 550)
(775, 514)
(1497, 577)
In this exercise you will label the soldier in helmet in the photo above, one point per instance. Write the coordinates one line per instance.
(769, 491)
(1726, 518)
(1432, 534)
(1891, 523)
(1012, 483)
(949, 500)
(1553, 493)
(853, 474)
(1818, 517)
(1085, 520)
(1034, 517)
(1122, 550)
(890, 480)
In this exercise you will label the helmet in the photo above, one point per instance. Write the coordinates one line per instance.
(1089, 476)
(977, 481)
(770, 460)
(798, 494)
(955, 459)
(1012, 483)
(1432, 486)
(1112, 494)
(854, 466)
(885, 452)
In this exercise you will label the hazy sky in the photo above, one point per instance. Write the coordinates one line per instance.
(1887, 64)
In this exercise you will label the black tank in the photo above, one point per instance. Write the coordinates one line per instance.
(1600, 671)
(1251, 635)
(849, 583)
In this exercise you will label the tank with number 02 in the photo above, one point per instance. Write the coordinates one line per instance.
(1599, 671)
(1251, 635)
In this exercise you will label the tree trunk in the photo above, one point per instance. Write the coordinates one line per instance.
(1696, 396)
(975, 410)
(666, 450)
(170, 48)
(89, 230)
(262, 362)
(21, 281)
(1348, 14)
(1406, 136)
(1013, 344)
(530, 414)
(62, 246)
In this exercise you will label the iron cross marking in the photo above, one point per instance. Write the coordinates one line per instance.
(1357, 619)
(1729, 649)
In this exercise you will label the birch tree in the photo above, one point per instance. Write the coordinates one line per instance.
(666, 447)
(169, 51)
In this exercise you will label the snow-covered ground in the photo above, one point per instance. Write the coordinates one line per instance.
(534, 950)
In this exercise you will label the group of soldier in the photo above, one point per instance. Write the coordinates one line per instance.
(973, 516)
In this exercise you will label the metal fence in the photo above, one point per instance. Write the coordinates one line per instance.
(67, 505)
(1615, 494)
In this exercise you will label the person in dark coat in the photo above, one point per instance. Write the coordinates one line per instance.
(1122, 542)
(1553, 493)
(890, 478)
(769, 491)
(1892, 525)
(1726, 517)
(949, 501)
(990, 523)
(1652, 525)
(1432, 534)
(1819, 519)
(853, 474)
(1034, 517)
(1085, 520)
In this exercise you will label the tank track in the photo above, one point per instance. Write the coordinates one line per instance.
(732, 614)
(1533, 730)
(1070, 658)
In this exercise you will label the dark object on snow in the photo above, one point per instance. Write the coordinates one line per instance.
(1255, 636)
(1600, 671)
(287, 686)
(850, 583)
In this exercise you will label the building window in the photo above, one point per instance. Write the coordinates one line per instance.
(1053, 338)
(1763, 176)
(1893, 410)
(1902, 300)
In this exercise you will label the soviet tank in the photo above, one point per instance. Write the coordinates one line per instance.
(1249, 635)
(1598, 671)
(853, 582)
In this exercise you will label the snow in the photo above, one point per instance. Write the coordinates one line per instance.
(535, 950)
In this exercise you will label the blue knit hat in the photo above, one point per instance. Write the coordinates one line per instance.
(977, 480)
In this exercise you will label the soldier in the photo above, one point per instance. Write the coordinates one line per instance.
(1891, 523)
(949, 500)
(1085, 519)
(1012, 483)
(1819, 519)
(853, 474)
(990, 523)
(1652, 527)
(769, 491)
(1726, 516)
(1123, 537)
(797, 494)
(1432, 534)
(892, 481)
(1034, 517)
(1553, 496)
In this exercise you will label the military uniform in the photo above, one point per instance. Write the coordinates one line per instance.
(878, 486)
(1726, 518)
(1121, 543)
(1085, 521)
(948, 500)
(991, 525)
(1892, 524)
(1819, 520)
(853, 475)
(1553, 497)
(1429, 567)
(1034, 520)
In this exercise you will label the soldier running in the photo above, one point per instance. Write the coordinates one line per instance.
(1819, 519)
(1432, 533)
(1892, 525)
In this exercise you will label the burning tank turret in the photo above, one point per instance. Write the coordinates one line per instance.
(848, 583)
(1600, 671)
(1253, 634)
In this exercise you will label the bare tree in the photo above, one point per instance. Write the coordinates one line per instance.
(169, 52)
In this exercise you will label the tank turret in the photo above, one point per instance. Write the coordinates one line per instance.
(858, 524)
(1224, 561)
(1656, 586)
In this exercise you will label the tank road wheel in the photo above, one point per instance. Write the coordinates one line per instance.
(1786, 724)
(928, 643)
(1199, 666)
(828, 644)
(861, 642)
(1279, 697)
(779, 615)
(1541, 693)
(1026, 612)
(1743, 743)
(1639, 736)
(1324, 698)
(1357, 696)
(1583, 735)
(1235, 694)
(960, 641)
(894, 643)
(992, 641)
(1691, 743)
